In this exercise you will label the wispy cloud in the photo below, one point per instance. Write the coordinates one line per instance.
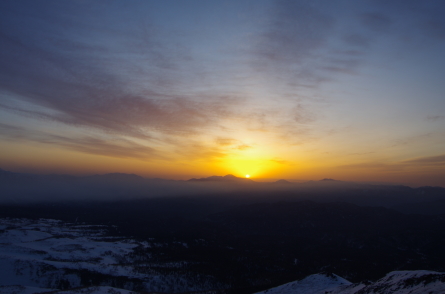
(373, 166)
(120, 148)
(281, 161)
(428, 160)
(243, 147)
(230, 143)
(300, 43)
(226, 141)
(435, 118)
(110, 71)
(376, 21)
(416, 139)
(129, 88)
(296, 30)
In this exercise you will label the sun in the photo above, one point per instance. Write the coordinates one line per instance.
(247, 176)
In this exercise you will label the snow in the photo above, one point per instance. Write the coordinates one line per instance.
(86, 290)
(405, 282)
(313, 284)
(52, 254)
(40, 254)
(37, 253)
(96, 290)
(22, 290)
(397, 282)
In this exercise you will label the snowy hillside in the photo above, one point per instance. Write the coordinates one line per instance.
(313, 284)
(52, 254)
(397, 282)
(86, 290)
(401, 282)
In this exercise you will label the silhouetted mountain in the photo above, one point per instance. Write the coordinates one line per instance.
(118, 177)
(21, 188)
(226, 178)
(436, 207)
(283, 182)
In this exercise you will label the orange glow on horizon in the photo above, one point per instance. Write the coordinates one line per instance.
(44, 159)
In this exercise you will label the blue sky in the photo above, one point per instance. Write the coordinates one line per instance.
(296, 89)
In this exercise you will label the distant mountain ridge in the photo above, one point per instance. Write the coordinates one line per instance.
(24, 187)
(282, 181)
(226, 178)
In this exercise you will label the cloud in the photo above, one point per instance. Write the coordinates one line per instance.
(302, 115)
(435, 28)
(428, 160)
(109, 69)
(376, 21)
(361, 153)
(301, 43)
(127, 88)
(197, 150)
(305, 44)
(424, 17)
(357, 40)
(372, 165)
(434, 118)
(416, 139)
(296, 30)
(225, 141)
(243, 147)
(232, 144)
(281, 161)
(120, 148)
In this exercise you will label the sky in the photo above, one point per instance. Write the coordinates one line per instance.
(347, 89)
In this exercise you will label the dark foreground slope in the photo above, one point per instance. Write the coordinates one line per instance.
(256, 246)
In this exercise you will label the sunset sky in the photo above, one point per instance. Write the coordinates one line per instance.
(349, 89)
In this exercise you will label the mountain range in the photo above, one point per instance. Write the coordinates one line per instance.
(22, 188)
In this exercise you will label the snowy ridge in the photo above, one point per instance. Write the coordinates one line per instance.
(313, 284)
(401, 282)
(397, 282)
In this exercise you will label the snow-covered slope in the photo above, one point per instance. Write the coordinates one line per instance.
(19, 289)
(401, 282)
(38, 256)
(85, 290)
(52, 254)
(96, 290)
(397, 282)
(43, 253)
(313, 284)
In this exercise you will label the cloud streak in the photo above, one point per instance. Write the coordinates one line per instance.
(88, 85)
(426, 161)
(141, 80)
(119, 148)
